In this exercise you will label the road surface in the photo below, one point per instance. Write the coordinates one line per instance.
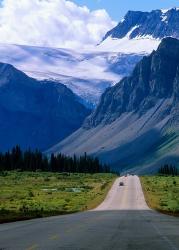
(123, 221)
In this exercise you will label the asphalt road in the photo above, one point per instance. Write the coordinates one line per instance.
(122, 221)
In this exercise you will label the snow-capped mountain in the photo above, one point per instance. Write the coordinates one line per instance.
(86, 73)
(142, 31)
(157, 24)
(89, 72)
(137, 121)
(33, 113)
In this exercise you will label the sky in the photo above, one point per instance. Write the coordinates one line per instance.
(66, 23)
(52, 23)
(118, 8)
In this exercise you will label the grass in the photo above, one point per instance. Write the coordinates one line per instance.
(26, 195)
(162, 193)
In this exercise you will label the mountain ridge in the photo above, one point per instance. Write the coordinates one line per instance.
(35, 114)
(141, 32)
(157, 24)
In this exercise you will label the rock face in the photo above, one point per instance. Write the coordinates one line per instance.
(157, 24)
(35, 114)
(155, 77)
(136, 122)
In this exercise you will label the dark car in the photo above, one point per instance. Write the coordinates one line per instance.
(121, 183)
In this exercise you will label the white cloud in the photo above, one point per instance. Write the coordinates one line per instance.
(55, 23)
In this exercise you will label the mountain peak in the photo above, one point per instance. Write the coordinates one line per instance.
(8, 72)
(4, 67)
(157, 24)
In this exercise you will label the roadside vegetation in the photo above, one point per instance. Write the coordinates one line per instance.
(33, 185)
(162, 193)
(25, 195)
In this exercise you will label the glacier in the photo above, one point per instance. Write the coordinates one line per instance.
(87, 73)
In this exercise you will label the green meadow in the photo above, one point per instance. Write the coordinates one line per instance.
(26, 195)
(162, 193)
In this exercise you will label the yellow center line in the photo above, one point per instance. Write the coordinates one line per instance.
(74, 228)
(69, 230)
(54, 237)
(33, 247)
(123, 194)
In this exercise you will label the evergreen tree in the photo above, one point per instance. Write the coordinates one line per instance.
(168, 170)
(35, 160)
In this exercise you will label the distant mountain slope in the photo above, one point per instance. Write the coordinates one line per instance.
(137, 121)
(33, 113)
(142, 31)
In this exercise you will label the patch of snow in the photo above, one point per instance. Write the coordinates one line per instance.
(130, 32)
(164, 16)
(122, 20)
(164, 19)
(164, 11)
(139, 45)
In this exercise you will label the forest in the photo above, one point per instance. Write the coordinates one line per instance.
(29, 160)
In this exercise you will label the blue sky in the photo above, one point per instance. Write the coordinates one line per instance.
(60, 23)
(118, 8)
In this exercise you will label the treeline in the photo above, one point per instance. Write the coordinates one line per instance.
(168, 170)
(29, 160)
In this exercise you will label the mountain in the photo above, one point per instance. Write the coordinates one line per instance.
(86, 73)
(89, 72)
(35, 114)
(142, 31)
(157, 23)
(136, 124)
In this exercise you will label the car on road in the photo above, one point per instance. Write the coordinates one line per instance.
(121, 183)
